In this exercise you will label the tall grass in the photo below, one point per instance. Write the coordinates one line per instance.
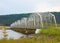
(51, 31)
(40, 39)
(48, 35)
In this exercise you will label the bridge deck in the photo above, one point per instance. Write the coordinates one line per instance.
(20, 30)
(24, 30)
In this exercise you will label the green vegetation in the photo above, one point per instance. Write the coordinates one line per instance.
(48, 35)
(40, 39)
(8, 19)
(51, 31)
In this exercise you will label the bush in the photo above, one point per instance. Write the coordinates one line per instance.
(51, 31)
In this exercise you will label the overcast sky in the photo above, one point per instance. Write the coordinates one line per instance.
(26, 6)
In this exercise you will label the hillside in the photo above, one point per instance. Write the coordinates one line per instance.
(8, 19)
(57, 14)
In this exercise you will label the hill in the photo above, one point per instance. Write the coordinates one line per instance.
(8, 19)
(57, 14)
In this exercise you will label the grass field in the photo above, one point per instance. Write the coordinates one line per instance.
(49, 35)
(51, 31)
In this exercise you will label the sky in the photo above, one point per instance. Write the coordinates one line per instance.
(28, 6)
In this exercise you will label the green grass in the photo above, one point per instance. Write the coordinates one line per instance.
(51, 31)
(48, 35)
(40, 39)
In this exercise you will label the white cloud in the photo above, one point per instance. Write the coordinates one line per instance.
(22, 6)
(56, 9)
(46, 9)
(1, 5)
(47, 6)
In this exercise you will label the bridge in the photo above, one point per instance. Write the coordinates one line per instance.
(32, 23)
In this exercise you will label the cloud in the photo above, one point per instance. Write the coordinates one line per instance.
(1, 5)
(46, 9)
(22, 6)
(46, 6)
(56, 9)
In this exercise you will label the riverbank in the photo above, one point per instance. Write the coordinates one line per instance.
(39, 39)
(51, 35)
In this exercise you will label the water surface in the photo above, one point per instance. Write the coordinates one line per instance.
(11, 34)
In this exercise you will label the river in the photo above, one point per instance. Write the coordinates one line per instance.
(11, 34)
